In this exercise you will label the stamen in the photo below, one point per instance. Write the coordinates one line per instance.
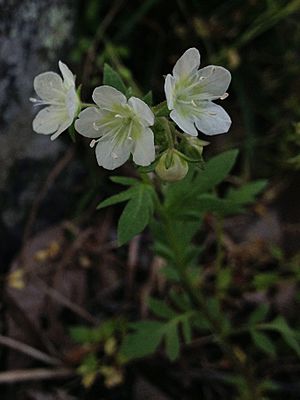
(114, 156)
(93, 142)
(129, 138)
(118, 116)
(225, 95)
(193, 103)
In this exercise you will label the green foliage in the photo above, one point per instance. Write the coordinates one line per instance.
(148, 335)
(262, 341)
(85, 335)
(137, 213)
(148, 98)
(112, 78)
(288, 334)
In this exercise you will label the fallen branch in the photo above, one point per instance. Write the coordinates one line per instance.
(35, 374)
(28, 350)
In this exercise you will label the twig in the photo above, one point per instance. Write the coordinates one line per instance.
(37, 374)
(133, 258)
(67, 303)
(30, 351)
(91, 53)
(54, 173)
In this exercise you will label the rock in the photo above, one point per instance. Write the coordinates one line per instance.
(33, 35)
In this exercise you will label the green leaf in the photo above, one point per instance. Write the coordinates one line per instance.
(216, 170)
(187, 330)
(224, 278)
(265, 280)
(280, 325)
(172, 342)
(263, 342)
(83, 335)
(170, 273)
(144, 341)
(180, 300)
(118, 198)
(123, 180)
(259, 314)
(148, 98)
(246, 194)
(136, 214)
(160, 309)
(112, 78)
(212, 204)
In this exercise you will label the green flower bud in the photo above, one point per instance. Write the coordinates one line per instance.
(171, 167)
(193, 146)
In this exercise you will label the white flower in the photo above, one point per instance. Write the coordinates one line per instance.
(61, 99)
(121, 124)
(190, 92)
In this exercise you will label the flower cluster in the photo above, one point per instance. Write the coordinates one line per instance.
(120, 127)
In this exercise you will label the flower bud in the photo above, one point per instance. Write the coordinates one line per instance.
(171, 167)
(194, 146)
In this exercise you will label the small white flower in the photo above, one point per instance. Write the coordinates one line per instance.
(61, 99)
(190, 91)
(121, 124)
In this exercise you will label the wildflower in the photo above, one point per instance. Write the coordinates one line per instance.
(61, 99)
(190, 92)
(171, 167)
(121, 124)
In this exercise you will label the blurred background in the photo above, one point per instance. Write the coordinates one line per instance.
(59, 262)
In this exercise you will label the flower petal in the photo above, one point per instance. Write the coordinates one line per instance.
(212, 119)
(213, 82)
(69, 78)
(72, 102)
(85, 123)
(48, 120)
(107, 97)
(144, 151)
(142, 110)
(112, 151)
(169, 90)
(65, 125)
(185, 123)
(188, 63)
(49, 86)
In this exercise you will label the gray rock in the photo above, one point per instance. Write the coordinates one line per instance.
(33, 35)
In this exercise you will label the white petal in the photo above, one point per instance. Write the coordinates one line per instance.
(185, 123)
(144, 151)
(107, 97)
(48, 120)
(72, 102)
(65, 125)
(142, 110)
(188, 63)
(212, 119)
(213, 81)
(49, 86)
(111, 151)
(169, 90)
(69, 79)
(85, 123)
